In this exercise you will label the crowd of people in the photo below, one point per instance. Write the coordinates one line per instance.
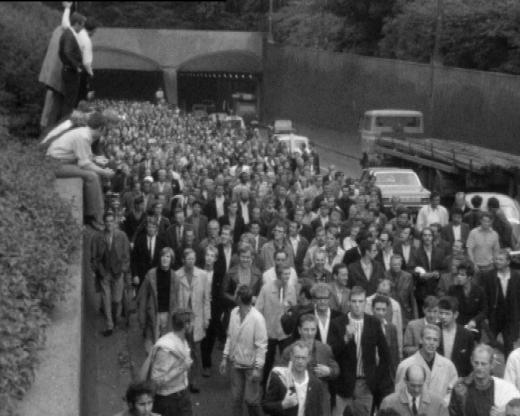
(317, 298)
(321, 300)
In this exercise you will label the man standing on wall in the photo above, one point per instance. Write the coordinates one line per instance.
(72, 60)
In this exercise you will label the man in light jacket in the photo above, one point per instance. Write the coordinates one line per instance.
(169, 367)
(194, 293)
(245, 349)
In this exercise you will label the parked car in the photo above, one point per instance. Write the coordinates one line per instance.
(403, 183)
(294, 142)
(509, 206)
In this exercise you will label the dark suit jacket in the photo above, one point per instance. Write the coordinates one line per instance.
(239, 229)
(170, 236)
(315, 223)
(301, 250)
(219, 272)
(306, 231)
(420, 259)
(398, 249)
(202, 230)
(462, 349)
(373, 343)
(393, 347)
(356, 276)
(142, 260)
(512, 302)
(276, 392)
(69, 51)
(472, 307)
(231, 281)
(210, 210)
(113, 260)
(447, 233)
(351, 256)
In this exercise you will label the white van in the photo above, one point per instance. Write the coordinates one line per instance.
(294, 142)
(389, 122)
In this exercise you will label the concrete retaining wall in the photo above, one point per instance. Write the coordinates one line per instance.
(56, 390)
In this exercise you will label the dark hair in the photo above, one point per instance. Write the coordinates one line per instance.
(137, 389)
(431, 302)
(365, 246)
(307, 317)
(306, 291)
(77, 18)
(476, 201)
(381, 299)
(245, 294)
(456, 211)
(486, 214)
(337, 267)
(514, 403)
(434, 195)
(467, 266)
(179, 319)
(449, 303)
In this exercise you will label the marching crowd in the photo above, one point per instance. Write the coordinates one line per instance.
(322, 300)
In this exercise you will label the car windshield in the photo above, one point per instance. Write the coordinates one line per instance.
(397, 179)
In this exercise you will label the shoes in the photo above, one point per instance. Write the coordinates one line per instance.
(107, 332)
(206, 372)
(194, 389)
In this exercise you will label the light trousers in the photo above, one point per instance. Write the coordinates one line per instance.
(112, 297)
(93, 203)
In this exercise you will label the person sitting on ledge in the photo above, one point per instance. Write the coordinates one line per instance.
(72, 150)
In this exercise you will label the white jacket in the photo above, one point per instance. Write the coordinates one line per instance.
(246, 343)
(441, 378)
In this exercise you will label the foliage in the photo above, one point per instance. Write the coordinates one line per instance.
(40, 239)
(230, 15)
(307, 24)
(477, 34)
(25, 30)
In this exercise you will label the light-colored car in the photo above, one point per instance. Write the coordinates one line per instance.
(403, 183)
(509, 206)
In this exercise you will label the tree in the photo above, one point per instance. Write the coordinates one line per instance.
(477, 34)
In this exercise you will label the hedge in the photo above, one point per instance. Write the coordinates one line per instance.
(25, 31)
(39, 239)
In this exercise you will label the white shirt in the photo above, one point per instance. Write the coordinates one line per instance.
(227, 254)
(386, 258)
(358, 324)
(209, 273)
(504, 280)
(428, 215)
(245, 212)
(456, 232)
(323, 327)
(74, 145)
(270, 275)
(219, 202)
(294, 243)
(411, 399)
(406, 252)
(448, 339)
(150, 243)
(512, 371)
(301, 393)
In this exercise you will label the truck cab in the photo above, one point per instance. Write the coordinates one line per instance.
(388, 122)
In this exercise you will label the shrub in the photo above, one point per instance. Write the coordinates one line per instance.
(25, 31)
(39, 240)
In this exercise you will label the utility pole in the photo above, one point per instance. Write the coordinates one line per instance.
(436, 59)
(270, 38)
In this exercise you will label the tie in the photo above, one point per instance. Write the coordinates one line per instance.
(414, 407)
(179, 236)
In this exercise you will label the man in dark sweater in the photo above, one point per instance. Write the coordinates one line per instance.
(70, 56)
